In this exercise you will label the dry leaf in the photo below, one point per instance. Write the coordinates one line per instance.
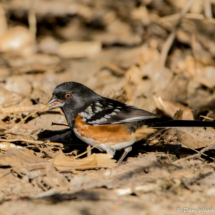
(18, 84)
(135, 75)
(17, 41)
(3, 125)
(3, 20)
(63, 162)
(6, 146)
(9, 98)
(79, 49)
(117, 32)
(17, 157)
(178, 114)
(195, 138)
(48, 45)
(170, 108)
(141, 14)
(22, 109)
(204, 75)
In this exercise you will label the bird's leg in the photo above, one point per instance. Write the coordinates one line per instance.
(126, 151)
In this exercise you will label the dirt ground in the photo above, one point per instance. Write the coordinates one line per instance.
(155, 55)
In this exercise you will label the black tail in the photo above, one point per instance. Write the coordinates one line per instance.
(184, 123)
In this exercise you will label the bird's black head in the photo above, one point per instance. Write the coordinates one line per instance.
(72, 98)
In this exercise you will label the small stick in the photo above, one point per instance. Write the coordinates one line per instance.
(38, 110)
(169, 157)
(89, 151)
(31, 141)
(197, 155)
(208, 10)
(30, 165)
(32, 20)
(112, 67)
(127, 83)
(206, 117)
(168, 43)
(22, 140)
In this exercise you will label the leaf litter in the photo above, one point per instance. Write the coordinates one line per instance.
(159, 58)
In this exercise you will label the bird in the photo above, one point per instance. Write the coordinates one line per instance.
(109, 124)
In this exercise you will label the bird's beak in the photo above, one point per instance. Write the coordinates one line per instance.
(56, 103)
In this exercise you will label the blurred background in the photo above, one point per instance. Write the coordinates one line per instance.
(158, 55)
(151, 54)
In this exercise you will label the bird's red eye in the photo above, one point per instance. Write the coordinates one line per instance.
(68, 95)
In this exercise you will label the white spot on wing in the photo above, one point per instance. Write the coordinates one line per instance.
(89, 110)
(98, 109)
(89, 116)
(99, 104)
(83, 114)
(98, 121)
(86, 115)
(113, 114)
(103, 120)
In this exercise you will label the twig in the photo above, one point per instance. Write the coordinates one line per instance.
(38, 110)
(169, 157)
(197, 151)
(197, 155)
(80, 167)
(30, 165)
(31, 141)
(112, 67)
(22, 140)
(206, 117)
(208, 10)
(32, 20)
(167, 45)
(186, 16)
(175, 16)
(21, 109)
(127, 83)
(91, 149)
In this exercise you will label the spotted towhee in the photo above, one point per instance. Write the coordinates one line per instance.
(107, 123)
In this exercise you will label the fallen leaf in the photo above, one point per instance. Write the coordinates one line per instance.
(170, 108)
(17, 157)
(3, 20)
(19, 85)
(6, 145)
(18, 41)
(77, 49)
(63, 162)
(196, 137)
(9, 98)
(3, 125)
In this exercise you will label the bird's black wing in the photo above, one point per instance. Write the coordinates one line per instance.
(107, 111)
